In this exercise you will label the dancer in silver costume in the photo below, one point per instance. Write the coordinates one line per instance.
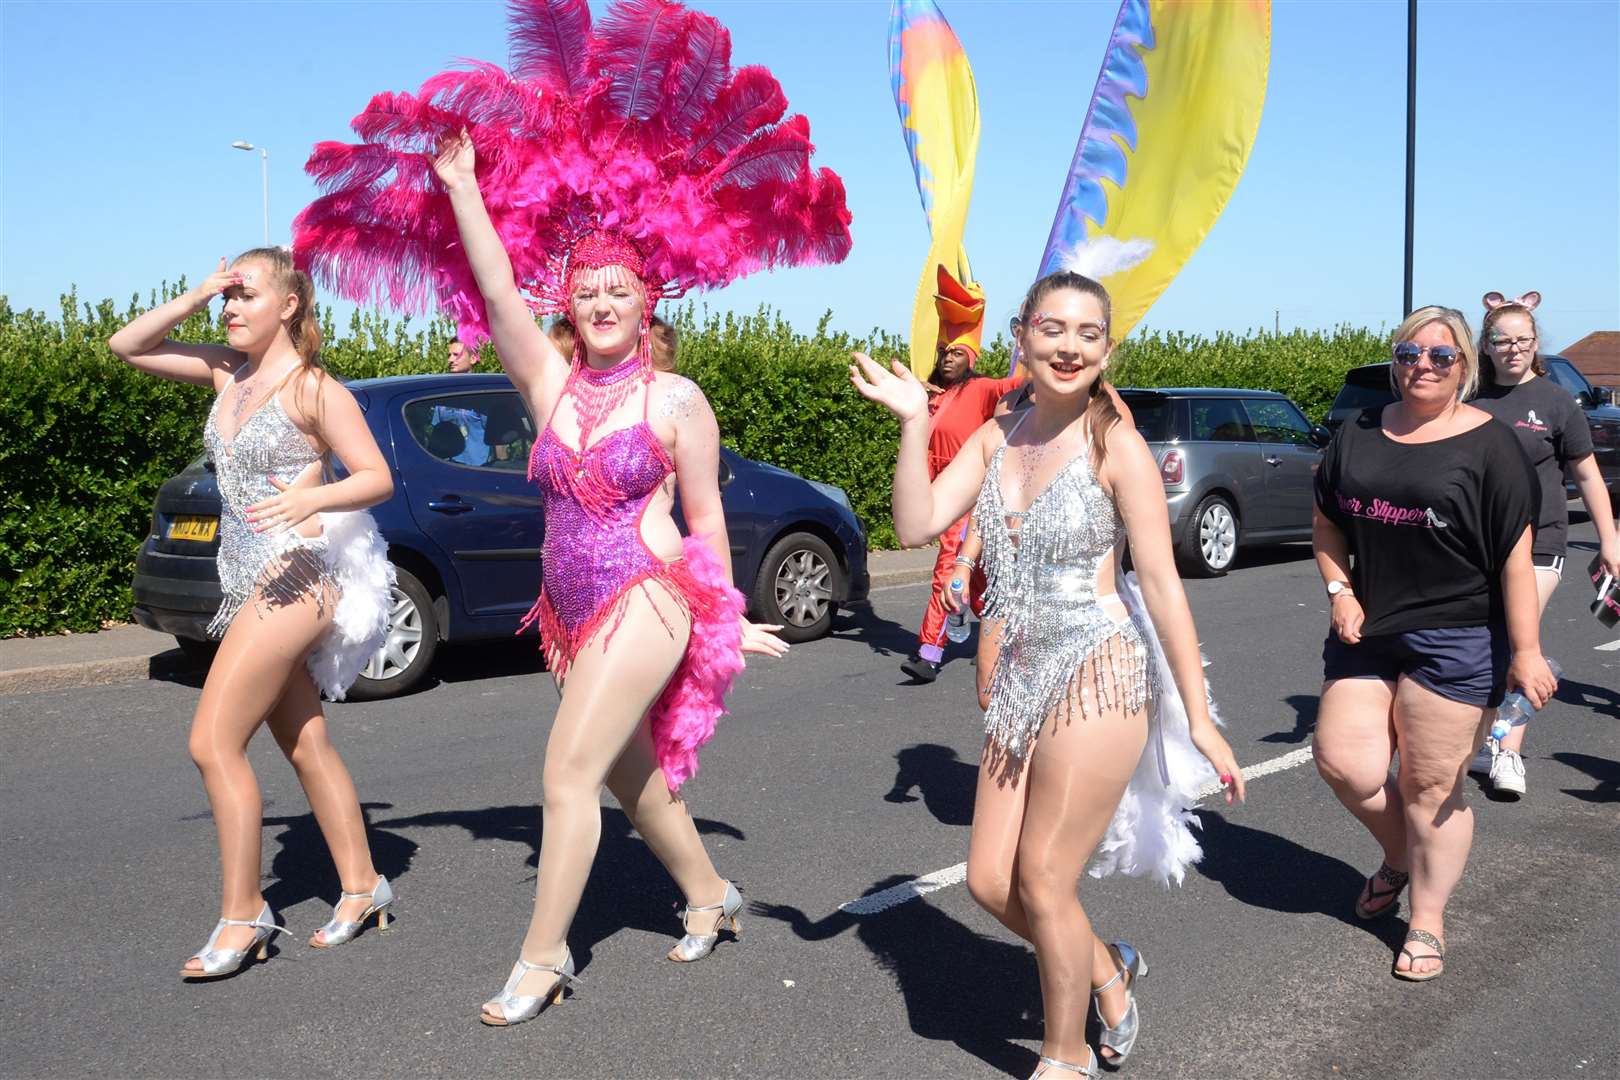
(305, 579)
(1098, 732)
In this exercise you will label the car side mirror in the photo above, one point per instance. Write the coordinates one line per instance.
(726, 475)
(1587, 399)
(1320, 436)
(1605, 395)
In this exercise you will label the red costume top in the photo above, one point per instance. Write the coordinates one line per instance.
(956, 413)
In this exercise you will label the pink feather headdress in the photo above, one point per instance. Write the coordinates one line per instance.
(630, 143)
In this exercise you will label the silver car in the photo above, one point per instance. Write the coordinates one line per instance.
(1238, 468)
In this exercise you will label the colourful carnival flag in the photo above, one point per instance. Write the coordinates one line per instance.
(1165, 139)
(939, 117)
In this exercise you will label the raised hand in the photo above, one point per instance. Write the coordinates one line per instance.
(213, 285)
(455, 163)
(896, 390)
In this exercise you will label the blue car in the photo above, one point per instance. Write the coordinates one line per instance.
(464, 531)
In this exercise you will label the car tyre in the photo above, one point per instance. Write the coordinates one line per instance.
(406, 654)
(798, 587)
(1209, 545)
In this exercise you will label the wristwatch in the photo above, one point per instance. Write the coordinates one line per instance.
(1334, 588)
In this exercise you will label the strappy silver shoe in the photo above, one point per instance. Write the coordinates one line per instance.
(694, 947)
(220, 962)
(1089, 1071)
(1121, 1039)
(338, 931)
(515, 1008)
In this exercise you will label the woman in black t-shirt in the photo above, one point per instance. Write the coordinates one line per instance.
(1552, 430)
(1434, 502)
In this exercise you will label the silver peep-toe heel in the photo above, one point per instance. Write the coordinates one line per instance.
(515, 1008)
(338, 931)
(694, 947)
(1121, 1039)
(220, 962)
(1089, 1071)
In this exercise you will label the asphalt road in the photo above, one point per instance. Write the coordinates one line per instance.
(833, 779)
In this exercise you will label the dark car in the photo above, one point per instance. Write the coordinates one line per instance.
(1367, 387)
(464, 531)
(1237, 466)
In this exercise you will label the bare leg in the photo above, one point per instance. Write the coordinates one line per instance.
(1354, 746)
(1546, 582)
(998, 819)
(662, 819)
(299, 727)
(1437, 737)
(262, 648)
(604, 701)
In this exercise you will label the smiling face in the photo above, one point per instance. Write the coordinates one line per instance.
(1511, 345)
(606, 306)
(1422, 383)
(1065, 342)
(257, 309)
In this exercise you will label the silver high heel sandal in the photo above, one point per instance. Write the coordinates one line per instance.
(694, 947)
(1089, 1071)
(1121, 1039)
(515, 1008)
(220, 962)
(337, 932)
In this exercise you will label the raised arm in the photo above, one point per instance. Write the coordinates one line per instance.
(1132, 475)
(921, 510)
(530, 359)
(144, 343)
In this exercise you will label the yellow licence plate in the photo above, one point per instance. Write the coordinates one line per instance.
(193, 527)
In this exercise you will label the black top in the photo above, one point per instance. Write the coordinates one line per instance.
(1430, 525)
(1553, 431)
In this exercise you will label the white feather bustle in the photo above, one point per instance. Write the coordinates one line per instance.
(357, 557)
(1104, 256)
(1152, 830)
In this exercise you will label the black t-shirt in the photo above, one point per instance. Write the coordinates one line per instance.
(1430, 524)
(1553, 431)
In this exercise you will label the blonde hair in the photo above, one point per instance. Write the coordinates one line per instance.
(304, 327)
(1456, 323)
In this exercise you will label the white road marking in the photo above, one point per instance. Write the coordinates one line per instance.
(919, 887)
(1613, 646)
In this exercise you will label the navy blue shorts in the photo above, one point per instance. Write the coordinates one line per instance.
(1464, 663)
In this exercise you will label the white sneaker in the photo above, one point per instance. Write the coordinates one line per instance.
(1485, 759)
(1507, 773)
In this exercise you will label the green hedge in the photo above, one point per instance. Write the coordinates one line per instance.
(85, 440)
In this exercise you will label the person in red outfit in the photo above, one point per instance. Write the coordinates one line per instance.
(960, 401)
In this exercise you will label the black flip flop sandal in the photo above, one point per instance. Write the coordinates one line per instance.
(1395, 880)
(1439, 954)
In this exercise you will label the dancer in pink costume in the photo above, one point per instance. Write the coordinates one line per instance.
(614, 166)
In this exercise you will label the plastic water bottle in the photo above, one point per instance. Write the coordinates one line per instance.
(956, 627)
(1516, 710)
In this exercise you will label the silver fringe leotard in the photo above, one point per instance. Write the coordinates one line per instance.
(1041, 569)
(283, 566)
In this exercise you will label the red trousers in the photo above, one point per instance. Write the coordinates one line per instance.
(931, 639)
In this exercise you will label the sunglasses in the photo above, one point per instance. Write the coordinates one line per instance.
(1441, 357)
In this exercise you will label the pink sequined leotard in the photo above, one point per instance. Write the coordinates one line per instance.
(594, 556)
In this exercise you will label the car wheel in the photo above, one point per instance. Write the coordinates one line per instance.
(201, 653)
(796, 587)
(1209, 546)
(405, 655)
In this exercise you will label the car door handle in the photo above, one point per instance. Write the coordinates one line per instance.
(1273, 461)
(449, 506)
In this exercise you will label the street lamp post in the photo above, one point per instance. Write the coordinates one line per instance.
(264, 171)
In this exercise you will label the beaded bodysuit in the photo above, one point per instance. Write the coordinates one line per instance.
(593, 557)
(282, 567)
(1041, 569)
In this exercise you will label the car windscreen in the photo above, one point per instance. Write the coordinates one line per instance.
(1152, 413)
(1364, 390)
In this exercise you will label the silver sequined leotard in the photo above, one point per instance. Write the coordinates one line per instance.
(283, 566)
(1041, 568)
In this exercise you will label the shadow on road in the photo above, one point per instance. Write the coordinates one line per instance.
(1600, 699)
(1304, 706)
(946, 782)
(933, 959)
(1268, 871)
(302, 866)
(1603, 770)
(883, 636)
(628, 886)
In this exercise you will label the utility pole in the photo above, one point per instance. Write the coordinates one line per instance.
(1411, 146)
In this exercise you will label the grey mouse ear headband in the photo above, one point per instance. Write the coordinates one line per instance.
(1528, 301)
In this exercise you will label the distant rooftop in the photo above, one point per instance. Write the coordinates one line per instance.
(1597, 355)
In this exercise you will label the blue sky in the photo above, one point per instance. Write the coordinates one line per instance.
(117, 170)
